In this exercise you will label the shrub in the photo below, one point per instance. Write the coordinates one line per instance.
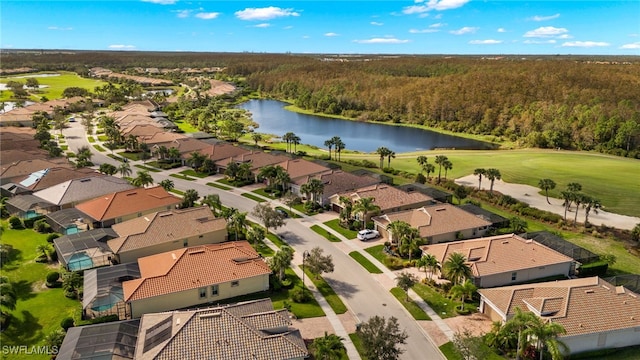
(52, 237)
(41, 226)
(30, 223)
(300, 295)
(41, 259)
(104, 319)
(66, 323)
(421, 179)
(52, 279)
(53, 255)
(71, 294)
(393, 263)
(598, 268)
(15, 223)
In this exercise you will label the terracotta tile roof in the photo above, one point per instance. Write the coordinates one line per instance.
(127, 202)
(300, 167)
(57, 175)
(337, 181)
(498, 254)
(77, 190)
(387, 197)
(19, 138)
(435, 220)
(185, 145)
(16, 153)
(164, 226)
(220, 333)
(582, 306)
(257, 159)
(142, 131)
(164, 139)
(223, 151)
(25, 167)
(194, 267)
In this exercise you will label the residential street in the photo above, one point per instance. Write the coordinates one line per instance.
(364, 295)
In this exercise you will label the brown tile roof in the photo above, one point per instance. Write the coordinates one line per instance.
(18, 154)
(582, 306)
(164, 139)
(19, 138)
(257, 159)
(336, 181)
(26, 167)
(386, 196)
(57, 175)
(223, 151)
(142, 131)
(127, 202)
(221, 333)
(435, 220)
(498, 254)
(194, 267)
(164, 226)
(300, 167)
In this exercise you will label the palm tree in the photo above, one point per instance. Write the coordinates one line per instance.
(189, 198)
(429, 168)
(590, 203)
(397, 231)
(347, 208)
(545, 333)
(313, 189)
(196, 160)
(500, 338)
(244, 172)
(391, 154)
(295, 140)
(162, 152)
(281, 178)
(8, 300)
(411, 242)
(255, 234)
(281, 260)
(567, 196)
(208, 167)
(546, 185)
(124, 169)
(131, 142)
(579, 199)
(339, 144)
(173, 154)
(328, 347)
(422, 161)
(383, 152)
(517, 224)
(268, 172)
(440, 160)
(44, 249)
(479, 172)
(142, 179)
(167, 184)
(429, 262)
(448, 165)
(288, 137)
(329, 143)
(455, 268)
(238, 222)
(213, 202)
(463, 291)
(365, 206)
(83, 157)
(493, 175)
(520, 322)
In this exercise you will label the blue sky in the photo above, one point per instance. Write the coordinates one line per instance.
(312, 26)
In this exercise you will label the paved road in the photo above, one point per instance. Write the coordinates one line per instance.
(364, 295)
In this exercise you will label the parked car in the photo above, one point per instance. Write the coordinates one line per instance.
(367, 234)
(283, 213)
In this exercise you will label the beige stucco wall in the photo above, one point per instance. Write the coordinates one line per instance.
(214, 237)
(525, 275)
(188, 298)
(608, 340)
(109, 222)
(467, 234)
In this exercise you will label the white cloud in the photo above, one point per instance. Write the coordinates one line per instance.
(183, 13)
(161, 2)
(331, 34)
(545, 18)
(437, 25)
(550, 41)
(266, 13)
(501, 30)
(634, 35)
(207, 16)
(565, 36)
(386, 40)
(635, 45)
(464, 30)
(375, 23)
(59, 28)
(587, 44)
(122, 47)
(423, 31)
(288, 27)
(547, 31)
(438, 5)
(263, 25)
(485, 42)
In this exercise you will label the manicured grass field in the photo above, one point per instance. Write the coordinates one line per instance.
(56, 85)
(368, 265)
(39, 309)
(335, 225)
(185, 126)
(442, 305)
(413, 309)
(377, 252)
(253, 197)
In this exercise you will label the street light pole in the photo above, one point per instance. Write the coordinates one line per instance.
(305, 254)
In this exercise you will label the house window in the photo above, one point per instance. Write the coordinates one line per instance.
(514, 275)
(235, 283)
(200, 236)
(139, 214)
(185, 242)
(203, 293)
(214, 290)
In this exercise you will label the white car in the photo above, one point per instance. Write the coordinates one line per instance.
(367, 234)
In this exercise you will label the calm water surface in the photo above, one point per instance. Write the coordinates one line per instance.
(360, 136)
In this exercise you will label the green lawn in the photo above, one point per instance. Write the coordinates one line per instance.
(335, 225)
(191, 172)
(413, 308)
(147, 168)
(55, 85)
(377, 252)
(216, 185)
(253, 197)
(183, 177)
(39, 310)
(441, 304)
(368, 265)
(327, 292)
(327, 235)
(275, 239)
(176, 191)
(91, 139)
(99, 148)
(185, 126)
(357, 342)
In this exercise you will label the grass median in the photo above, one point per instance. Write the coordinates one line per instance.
(411, 306)
(368, 265)
(327, 292)
(324, 233)
(335, 225)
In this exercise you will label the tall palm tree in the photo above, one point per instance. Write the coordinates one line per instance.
(422, 161)
(518, 324)
(546, 185)
(244, 171)
(347, 208)
(545, 333)
(339, 144)
(328, 347)
(568, 197)
(463, 291)
(213, 202)
(167, 184)
(142, 179)
(162, 152)
(255, 234)
(268, 172)
(398, 230)
(313, 189)
(329, 143)
(383, 152)
(455, 268)
(196, 160)
(440, 160)
(238, 222)
(493, 174)
(448, 165)
(390, 154)
(429, 168)
(281, 260)
(579, 199)
(173, 154)
(281, 178)
(295, 140)
(124, 169)
(430, 264)
(591, 203)
(287, 138)
(365, 206)
(479, 172)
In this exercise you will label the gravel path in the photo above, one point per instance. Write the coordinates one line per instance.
(530, 195)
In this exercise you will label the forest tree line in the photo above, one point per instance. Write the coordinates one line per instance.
(546, 102)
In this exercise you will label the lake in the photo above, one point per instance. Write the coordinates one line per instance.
(359, 136)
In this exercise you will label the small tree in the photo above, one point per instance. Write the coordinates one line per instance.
(318, 263)
(405, 281)
(328, 347)
(463, 291)
(189, 198)
(269, 217)
(107, 169)
(167, 184)
(52, 279)
(470, 347)
(281, 260)
(66, 323)
(381, 338)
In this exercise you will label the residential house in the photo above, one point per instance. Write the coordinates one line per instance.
(120, 206)
(102, 290)
(257, 159)
(221, 151)
(85, 250)
(436, 194)
(18, 138)
(334, 181)
(297, 168)
(27, 206)
(596, 314)
(436, 223)
(67, 221)
(497, 221)
(387, 197)
(11, 172)
(166, 231)
(196, 276)
(72, 192)
(248, 330)
(141, 131)
(505, 259)
(108, 341)
(46, 178)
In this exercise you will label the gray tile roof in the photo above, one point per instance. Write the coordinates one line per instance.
(76, 190)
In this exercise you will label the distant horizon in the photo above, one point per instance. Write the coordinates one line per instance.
(376, 27)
